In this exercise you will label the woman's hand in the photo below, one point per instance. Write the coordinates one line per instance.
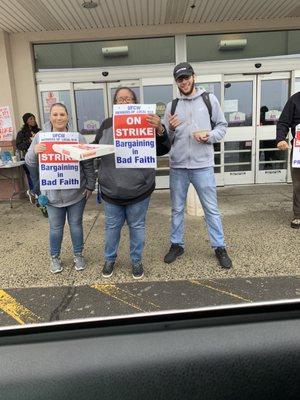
(154, 121)
(282, 145)
(87, 193)
(39, 148)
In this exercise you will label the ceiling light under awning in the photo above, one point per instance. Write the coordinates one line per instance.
(89, 4)
(232, 44)
(115, 51)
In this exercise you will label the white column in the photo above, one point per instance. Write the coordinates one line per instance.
(180, 48)
(24, 76)
(7, 92)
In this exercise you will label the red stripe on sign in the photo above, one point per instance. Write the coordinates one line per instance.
(132, 126)
(51, 157)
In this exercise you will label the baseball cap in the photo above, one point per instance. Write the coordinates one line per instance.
(183, 69)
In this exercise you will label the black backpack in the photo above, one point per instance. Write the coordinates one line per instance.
(206, 99)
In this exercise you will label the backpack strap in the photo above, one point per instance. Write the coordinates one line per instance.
(206, 99)
(174, 105)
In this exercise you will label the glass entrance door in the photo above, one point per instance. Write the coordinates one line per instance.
(159, 91)
(239, 144)
(91, 107)
(213, 84)
(273, 93)
(252, 106)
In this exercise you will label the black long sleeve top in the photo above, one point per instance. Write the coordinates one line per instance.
(289, 118)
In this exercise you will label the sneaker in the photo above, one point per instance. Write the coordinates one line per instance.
(44, 211)
(108, 269)
(295, 223)
(55, 265)
(32, 196)
(79, 262)
(223, 257)
(137, 270)
(175, 251)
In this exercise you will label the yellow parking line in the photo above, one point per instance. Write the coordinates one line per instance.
(126, 297)
(204, 283)
(15, 310)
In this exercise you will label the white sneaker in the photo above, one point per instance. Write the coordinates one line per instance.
(79, 262)
(32, 196)
(55, 265)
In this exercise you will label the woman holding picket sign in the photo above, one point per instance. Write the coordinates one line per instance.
(126, 191)
(64, 202)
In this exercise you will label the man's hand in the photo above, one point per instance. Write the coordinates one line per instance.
(202, 139)
(87, 193)
(282, 145)
(154, 121)
(173, 121)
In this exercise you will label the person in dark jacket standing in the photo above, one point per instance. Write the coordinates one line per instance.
(290, 118)
(23, 142)
(126, 192)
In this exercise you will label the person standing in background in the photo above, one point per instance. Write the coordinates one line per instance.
(23, 142)
(290, 118)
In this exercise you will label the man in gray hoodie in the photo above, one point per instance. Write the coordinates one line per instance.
(192, 132)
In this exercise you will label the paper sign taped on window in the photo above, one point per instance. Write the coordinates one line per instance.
(237, 117)
(231, 106)
(91, 125)
(272, 115)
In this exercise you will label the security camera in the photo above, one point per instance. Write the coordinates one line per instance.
(257, 65)
(105, 73)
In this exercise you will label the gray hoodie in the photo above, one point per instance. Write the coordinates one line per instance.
(186, 152)
(64, 197)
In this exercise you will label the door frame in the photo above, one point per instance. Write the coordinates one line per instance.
(245, 133)
(268, 132)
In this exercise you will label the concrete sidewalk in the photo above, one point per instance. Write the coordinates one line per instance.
(256, 222)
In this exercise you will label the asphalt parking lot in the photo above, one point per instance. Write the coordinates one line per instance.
(263, 247)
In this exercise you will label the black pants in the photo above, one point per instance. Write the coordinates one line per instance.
(295, 172)
(35, 178)
(296, 191)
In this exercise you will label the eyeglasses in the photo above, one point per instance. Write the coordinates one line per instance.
(183, 78)
(124, 99)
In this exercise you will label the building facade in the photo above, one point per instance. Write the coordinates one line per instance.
(245, 52)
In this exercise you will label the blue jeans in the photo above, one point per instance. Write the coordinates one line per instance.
(57, 218)
(135, 216)
(203, 180)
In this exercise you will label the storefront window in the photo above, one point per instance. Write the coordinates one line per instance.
(104, 53)
(242, 45)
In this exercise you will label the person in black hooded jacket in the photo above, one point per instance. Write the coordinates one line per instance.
(126, 191)
(289, 119)
(23, 142)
